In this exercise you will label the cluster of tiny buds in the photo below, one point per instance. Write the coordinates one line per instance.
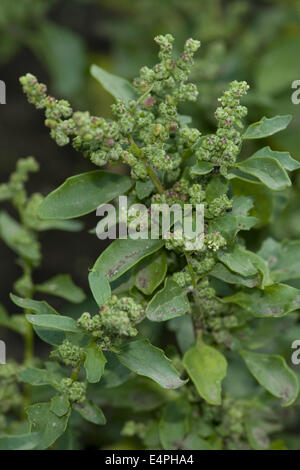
(75, 391)
(68, 353)
(116, 319)
(222, 148)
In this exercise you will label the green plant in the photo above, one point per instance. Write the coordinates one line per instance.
(221, 382)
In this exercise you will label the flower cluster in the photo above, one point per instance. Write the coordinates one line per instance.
(10, 395)
(69, 354)
(116, 319)
(75, 391)
(14, 188)
(145, 132)
(222, 148)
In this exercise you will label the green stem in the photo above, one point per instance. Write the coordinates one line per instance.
(137, 151)
(192, 272)
(29, 341)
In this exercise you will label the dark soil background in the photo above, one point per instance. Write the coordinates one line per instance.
(22, 133)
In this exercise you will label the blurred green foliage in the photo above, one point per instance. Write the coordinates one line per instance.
(257, 41)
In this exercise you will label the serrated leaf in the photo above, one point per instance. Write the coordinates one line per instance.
(118, 87)
(62, 286)
(284, 158)
(151, 272)
(170, 302)
(216, 187)
(54, 322)
(268, 170)
(36, 306)
(143, 358)
(230, 224)
(91, 412)
(46, 423)
(94, 363)
(122, 254)
(207, 367)
(266, 127)
(272, 372)
(81, 194)
(274, 301)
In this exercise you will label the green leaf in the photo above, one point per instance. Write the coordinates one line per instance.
(144, 188)
(100, 287)
(170, 302)
(230, 224)
(16, 323)
(283, 259)
(122, 254)
(115, 373)
(62, 286)
(274, 301)
(268, 170)
(174, 424)
(195, 442)
(54, 322)
(202, 168)
(118, 87)
(278, 60)
(39, 377)
(92, 413)
(63, 53)
(272, 373)
(263, 199)
(136, 394)
(46, 423)
(143, 358)
(50, 336)
(207, 367)
(84, 193)
(284, 158)
(184, 330)
(266, 127)
(64, 225)
(20, 441)
(60, 405)
(224, 274)
(216, 187)
(151, 272)
(18, 239)
(246, 263)
(36, 306)
(257, 436)
(94, 363)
